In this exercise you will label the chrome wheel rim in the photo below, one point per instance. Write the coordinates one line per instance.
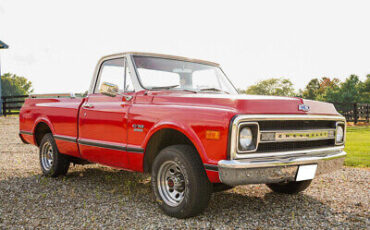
(47, 156)
(171, 183)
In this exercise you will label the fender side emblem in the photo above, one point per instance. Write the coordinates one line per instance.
(303, 107)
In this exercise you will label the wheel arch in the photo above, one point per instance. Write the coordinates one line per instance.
(168, 134)
(42, 127)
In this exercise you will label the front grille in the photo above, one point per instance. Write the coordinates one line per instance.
(289, 146)
(296, 124)
(288, 125)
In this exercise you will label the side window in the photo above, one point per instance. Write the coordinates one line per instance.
(112, 73)
(129, 87)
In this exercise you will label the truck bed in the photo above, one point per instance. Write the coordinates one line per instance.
(62, 113)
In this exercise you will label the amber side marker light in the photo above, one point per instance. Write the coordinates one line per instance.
(212, 135)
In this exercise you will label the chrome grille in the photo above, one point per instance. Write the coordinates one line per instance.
(286, 134)
(289, 146)
(296, 124)
(291, 135)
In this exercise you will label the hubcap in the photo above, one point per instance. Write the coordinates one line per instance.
(47, 156)
(171, 183)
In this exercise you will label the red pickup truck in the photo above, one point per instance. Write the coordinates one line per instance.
(184, 122)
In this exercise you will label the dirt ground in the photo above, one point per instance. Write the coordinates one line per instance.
(98, 197)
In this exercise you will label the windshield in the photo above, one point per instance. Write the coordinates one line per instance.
(160, 73)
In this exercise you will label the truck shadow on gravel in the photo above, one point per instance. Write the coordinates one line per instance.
(98, 193)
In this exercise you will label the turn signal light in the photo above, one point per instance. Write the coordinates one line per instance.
(212, 135)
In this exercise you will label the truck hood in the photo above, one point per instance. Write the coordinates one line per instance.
(247, 104)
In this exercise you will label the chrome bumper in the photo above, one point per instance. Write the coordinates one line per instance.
(280, 168)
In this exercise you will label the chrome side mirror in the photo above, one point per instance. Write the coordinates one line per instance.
(109, 89)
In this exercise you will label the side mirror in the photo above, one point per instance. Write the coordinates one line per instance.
(109, 89)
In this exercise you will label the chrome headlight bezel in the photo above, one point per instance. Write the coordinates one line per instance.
(254, 127)
(343, 139)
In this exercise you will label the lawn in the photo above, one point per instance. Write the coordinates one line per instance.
(358, 146)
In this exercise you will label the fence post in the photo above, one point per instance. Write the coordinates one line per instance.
(367, 113)
(355, 113)
(4, 106)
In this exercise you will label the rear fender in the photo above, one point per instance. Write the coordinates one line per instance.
(37, 122)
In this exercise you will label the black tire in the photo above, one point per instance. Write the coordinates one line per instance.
(196, 186)
(291, 187)
(59, 164)
(220, 187)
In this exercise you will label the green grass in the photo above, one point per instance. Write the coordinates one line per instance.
(358, 146)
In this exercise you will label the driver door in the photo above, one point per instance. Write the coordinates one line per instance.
(103, 118)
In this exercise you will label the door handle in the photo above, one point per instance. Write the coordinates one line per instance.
(87, 106)
(128, 98)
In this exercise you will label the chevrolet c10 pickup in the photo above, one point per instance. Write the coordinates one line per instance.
(183, 121)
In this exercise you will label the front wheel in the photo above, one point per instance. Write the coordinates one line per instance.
(291, 187)
(52, 162)
(179, 182)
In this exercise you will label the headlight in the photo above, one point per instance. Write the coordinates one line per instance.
(248, 137)
(245, 138)
(339, 136)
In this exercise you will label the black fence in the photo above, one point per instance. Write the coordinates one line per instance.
(354, 112)
(12, 104)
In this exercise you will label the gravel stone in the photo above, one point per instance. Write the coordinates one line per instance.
(99, 197)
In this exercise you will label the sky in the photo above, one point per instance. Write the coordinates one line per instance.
(56, 44)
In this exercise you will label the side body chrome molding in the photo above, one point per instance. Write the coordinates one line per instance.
(99, 144)
(65, 138)
(211, 167)
(25, 132)
(111, 146)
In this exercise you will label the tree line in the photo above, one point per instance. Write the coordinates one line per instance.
(351, 90)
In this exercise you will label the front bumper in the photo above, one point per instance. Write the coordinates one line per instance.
(280, 168)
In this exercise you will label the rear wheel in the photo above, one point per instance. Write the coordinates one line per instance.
(179, 182)
(52, 162)
(291, 187)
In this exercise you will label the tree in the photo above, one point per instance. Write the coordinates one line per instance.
(272, 86)
(365, 90)
(12, 84)
(347, 92)
(240, 90)
(316, 89)
(350, 90)
(312, 89)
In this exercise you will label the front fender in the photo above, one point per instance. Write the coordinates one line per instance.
(184, 129)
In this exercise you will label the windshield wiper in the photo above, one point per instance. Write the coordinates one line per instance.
(164, 87)
(171, 87)
(188, 90)
(214, 89)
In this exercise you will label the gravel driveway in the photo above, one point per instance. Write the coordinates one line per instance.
(98, 197)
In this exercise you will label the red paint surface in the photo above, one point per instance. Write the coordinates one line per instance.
(112, 121)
